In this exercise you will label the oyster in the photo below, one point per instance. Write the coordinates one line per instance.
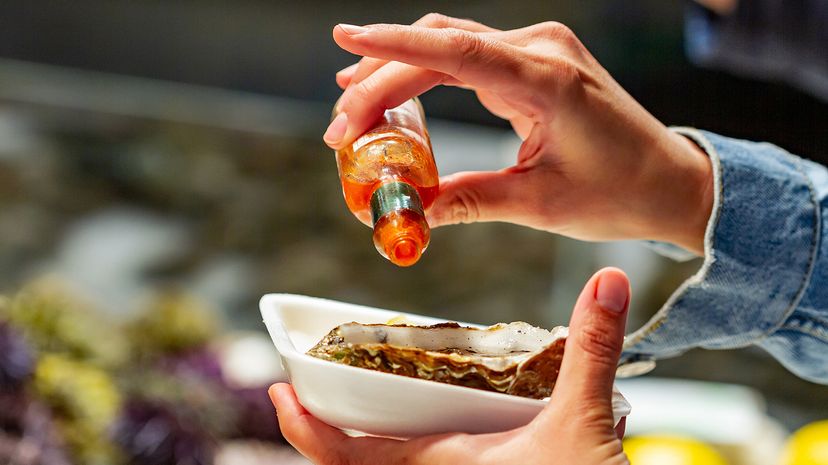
(515, 358)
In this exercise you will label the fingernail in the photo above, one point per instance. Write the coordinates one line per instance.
(351, 30)
(336, 130)
(272, 394)
(611, 293)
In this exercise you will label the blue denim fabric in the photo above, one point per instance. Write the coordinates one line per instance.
(764, 280)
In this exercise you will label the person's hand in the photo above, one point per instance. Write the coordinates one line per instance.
(594, 164)
(575, 428)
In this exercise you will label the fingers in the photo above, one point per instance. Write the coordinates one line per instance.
(344, 76)
(457, 52)
(596, 335)
(469, 57)
(365, 102)
(438, 21)
(477, 196)
(314, 439)
(368, 65)
(324, 444)
(422, 58)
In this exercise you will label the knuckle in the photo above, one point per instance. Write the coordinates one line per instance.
(465, 207)
(433, 19)
(367, 94)
(510, 63)
(466, 44)
(555, 73)
(362, 91)
(563, 71)
(599, 345)
(557, 31)
(463, 41)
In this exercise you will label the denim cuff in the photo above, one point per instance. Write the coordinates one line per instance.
(759, 250)
(672, 251)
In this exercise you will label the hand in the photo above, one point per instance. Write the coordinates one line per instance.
(594, 165)
(575, 428)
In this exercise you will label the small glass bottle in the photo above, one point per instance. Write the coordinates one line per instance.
(389, 179)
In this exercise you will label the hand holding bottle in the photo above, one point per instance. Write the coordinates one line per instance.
(594, 164)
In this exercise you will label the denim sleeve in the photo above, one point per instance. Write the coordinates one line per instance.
(764, 279)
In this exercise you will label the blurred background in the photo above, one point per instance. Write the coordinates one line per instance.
(161, 168)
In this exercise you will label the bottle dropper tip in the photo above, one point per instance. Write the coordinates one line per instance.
(405, 252)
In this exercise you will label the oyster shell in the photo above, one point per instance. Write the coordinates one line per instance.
(515, 358)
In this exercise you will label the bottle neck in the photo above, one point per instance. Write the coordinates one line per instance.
(401, 232)
(393, 196)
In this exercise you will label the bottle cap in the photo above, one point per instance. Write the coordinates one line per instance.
(401, 236)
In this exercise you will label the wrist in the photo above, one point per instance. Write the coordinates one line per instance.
(699, 203)
(679, 194)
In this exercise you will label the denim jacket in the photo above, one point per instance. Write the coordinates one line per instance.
(764, 279)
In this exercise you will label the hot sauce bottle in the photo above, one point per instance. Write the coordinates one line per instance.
(389, 179)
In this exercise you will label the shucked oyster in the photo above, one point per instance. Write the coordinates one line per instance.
(515, 358)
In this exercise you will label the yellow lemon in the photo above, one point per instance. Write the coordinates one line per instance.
(670, 450)
(808, 446)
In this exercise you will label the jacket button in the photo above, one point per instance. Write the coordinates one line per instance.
(636, 365)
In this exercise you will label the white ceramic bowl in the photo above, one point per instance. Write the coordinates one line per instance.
(382, 404)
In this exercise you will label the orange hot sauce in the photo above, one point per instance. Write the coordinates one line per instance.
(389, 179)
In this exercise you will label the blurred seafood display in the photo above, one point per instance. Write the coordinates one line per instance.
(79, 388)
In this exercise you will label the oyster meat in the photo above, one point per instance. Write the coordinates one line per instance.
(515, 358)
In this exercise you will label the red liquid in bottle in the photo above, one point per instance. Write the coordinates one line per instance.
(389, 178)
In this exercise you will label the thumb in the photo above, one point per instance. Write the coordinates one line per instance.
(596, 336)
(477, 196)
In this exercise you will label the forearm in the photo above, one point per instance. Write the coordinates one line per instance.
(764, 262)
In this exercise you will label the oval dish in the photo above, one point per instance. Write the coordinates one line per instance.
(358, 400)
